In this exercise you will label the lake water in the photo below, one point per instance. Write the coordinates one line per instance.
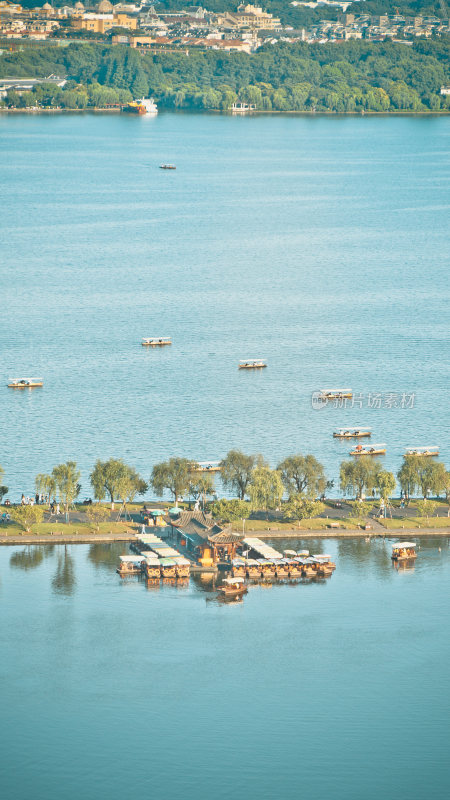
(336, 689)
(319, 244)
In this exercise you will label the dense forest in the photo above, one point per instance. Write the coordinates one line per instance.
(352, 76)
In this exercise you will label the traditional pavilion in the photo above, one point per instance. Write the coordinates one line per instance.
(204, 538)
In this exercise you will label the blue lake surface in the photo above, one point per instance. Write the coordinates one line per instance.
(319, 244)
(338, 689)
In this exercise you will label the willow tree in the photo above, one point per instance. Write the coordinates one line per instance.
(358, 475)
(66, 477)
(26, 516)
(385, 484)
(129, 485)
(174, 475)
(265, 489)
(236, 471)
(45, 484)
(107, 477)
(302, 475)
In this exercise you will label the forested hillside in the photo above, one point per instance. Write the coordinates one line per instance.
(352, 76)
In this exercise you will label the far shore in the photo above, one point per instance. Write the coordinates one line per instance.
(294, 533)
(305, 113)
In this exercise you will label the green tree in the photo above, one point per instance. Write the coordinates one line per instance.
(97, 514)
(358, 475)
(265, 489)
(359, 511)
(236, 471)
(26, 516)
(431, 476)
(173, 475)
(426, 508)
(201, 486)
(385, 484)
(408, 477)
(231, 510)
(108, 476)
(299, 507)
(45, 484)
(302, 475)
(66, 477)
(129, 485)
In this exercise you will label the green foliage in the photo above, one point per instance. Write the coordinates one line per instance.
(115, 478)
(97, 514)
(302, 474)
(201, 485)
(358, 475)
(236, 472)
(26, 516)
(420, 472)
(66, 480)
(300, 507)
(360, 510)
(385, 484)
(231, 510)
(265, 488)
(426, 508)
(174, 475)
(3, 491)
(45, 484)
(352, 76)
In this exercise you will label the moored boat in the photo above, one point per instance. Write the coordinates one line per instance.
(143, 106)
(352, 433)
(233, 587)
(168, 567)
(253, 568)
(130, 565)
(403, 551)
(369, 450)
(25, 383)
(252, 363)
(238, 568)
(268, 568)
(152, 568)
(182, 566)
(282, 568)
(167, 166)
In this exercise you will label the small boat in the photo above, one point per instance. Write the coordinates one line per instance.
(335, 394)
(207, 466)
(167, 166)
(303, 553)
(238, 568)
(130, 565)
(25, 383)
(426, 452)
(142, 107)
(156, 341)
(152, 567)
(252, 363)
(325, 560)
(368, 450)
(289, 554)
(295, 568)
(352, 433)
(253, 568)
(268, 568)
(282, 568)
(242, 108)
(233, 587)
(403, 551)
(182, 566)
(168, 568)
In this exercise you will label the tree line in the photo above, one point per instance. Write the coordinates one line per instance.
(353, 76)
(297, 485)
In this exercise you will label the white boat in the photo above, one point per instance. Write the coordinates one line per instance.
(252, 363)
(369, 450)
(335, 394)
(156, 341)
(352, 433)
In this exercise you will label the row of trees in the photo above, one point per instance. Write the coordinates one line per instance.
(351, 76)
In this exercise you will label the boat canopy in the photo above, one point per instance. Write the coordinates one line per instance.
(322, 556)
(167, 562)
(304, 553)
(230, 581)
(181, 561)
(354, 428)
(252, 562)
(289, 553)
(250, 360)
(131, 559)
(417, 449)
(334, 391)
(403, 545)
(152, 562)
(156, 339)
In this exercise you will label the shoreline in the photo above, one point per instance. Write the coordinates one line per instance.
(397, 113)
(344, 533)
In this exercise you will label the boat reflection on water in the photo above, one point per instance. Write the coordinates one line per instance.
(407, 565)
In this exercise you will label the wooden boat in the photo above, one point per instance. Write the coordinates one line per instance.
(252, 363)
(289, 554)
(324, 565)
(152, 568)
(130, 565)
(303, 553)
(167, 166)
(282, 568)
(325, 560)
(295, 568)
(156, 341)
(25, 383)
(352, 433)
(335, 394)
(238, 568)
(268, 568)
(182, 567)
(207, 466)
(233, 587)
(368, 450)
(168, 568)
(253, 568)
(403, 551)
(426, 452)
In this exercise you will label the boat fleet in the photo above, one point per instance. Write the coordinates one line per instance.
(154, 559)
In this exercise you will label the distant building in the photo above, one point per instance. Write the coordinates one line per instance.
(21, 85)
